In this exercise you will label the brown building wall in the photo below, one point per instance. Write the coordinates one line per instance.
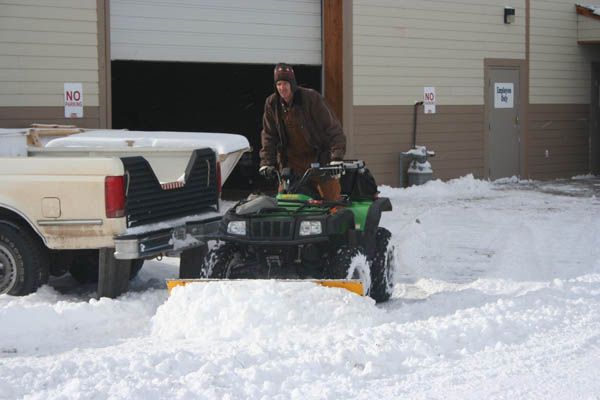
(22, 117)
(381, 133)
(562, 129)
(455, 133)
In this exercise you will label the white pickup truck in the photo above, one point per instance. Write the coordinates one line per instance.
(97, 203)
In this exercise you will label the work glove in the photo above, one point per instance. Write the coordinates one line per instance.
(268, 171)
(338, 169)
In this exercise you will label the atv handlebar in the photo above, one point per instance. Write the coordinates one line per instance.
(285, 176)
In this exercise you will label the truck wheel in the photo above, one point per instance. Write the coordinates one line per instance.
(23, 261)
(221, 261)
(84, 268)
(382, 267)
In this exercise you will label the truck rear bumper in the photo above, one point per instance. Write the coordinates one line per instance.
(171, 241)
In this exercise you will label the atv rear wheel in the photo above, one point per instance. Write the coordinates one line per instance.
(382, 267)
(221, 261)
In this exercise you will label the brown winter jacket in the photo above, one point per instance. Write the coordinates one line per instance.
(321, 129)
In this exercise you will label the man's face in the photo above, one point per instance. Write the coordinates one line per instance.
(285, 90)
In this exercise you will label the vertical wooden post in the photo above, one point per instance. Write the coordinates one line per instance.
(333, 28)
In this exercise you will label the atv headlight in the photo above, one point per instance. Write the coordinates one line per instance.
(310, 228)
(236, 228)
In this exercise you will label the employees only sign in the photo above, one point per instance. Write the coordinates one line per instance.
(504, 95)
(73, 100)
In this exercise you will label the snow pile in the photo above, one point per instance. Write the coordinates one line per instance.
(53, 322)
(360, 269)
(222, 143)
(497, 296)
(252, 311)
(438, 191)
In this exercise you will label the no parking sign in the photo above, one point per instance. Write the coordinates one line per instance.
(429, 100)
(73, 100)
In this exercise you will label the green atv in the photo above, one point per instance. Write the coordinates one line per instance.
(297, 236)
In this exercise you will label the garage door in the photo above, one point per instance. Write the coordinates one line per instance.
(228, 31)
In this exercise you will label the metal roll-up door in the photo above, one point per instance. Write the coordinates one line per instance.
(216, 31)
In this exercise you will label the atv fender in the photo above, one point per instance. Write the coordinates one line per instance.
(372, 222)
(341, 221)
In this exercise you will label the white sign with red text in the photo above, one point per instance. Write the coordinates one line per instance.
(429, 100)
(73, 100)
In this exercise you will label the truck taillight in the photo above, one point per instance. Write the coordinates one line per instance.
(114, 196)
(219, 182)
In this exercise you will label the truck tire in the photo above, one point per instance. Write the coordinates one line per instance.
(221, 261)
(23, 261)
(382, 267)
(84, 267)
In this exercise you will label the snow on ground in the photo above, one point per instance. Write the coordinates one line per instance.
(497, 296)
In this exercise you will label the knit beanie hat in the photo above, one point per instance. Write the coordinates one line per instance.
(285, 72)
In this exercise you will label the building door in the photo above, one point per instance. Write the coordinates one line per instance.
(233, 31)
(503, 122)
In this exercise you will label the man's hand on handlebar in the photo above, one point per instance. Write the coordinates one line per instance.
(335, 168)
(267, 171)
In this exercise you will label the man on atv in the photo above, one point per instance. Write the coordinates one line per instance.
(299, 129)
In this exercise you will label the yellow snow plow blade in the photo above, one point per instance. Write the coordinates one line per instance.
(352, 285)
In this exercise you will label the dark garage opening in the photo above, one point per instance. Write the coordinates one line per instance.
(201, 97)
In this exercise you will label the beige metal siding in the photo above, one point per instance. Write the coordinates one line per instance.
(559, 67)
(257, 31)
(588, 29)
(43, 44)
(401, 46)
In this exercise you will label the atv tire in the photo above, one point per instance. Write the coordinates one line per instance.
(23, 261)
(221, 260)
(341, 261)
(382, 267)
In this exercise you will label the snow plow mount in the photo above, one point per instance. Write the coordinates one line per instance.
(352, 285)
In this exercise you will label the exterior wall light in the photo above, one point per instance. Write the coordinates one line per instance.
(509, 15)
